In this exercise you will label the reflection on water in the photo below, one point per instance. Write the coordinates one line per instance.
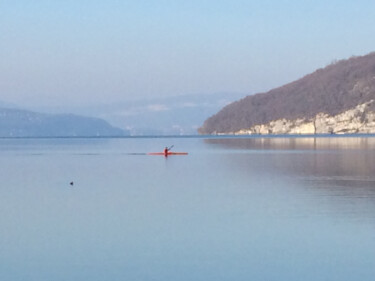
(339, 170)
(334, 157)
(296, 143)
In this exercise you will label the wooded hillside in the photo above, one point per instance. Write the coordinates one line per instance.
(332, 90)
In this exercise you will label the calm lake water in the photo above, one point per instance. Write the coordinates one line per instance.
(233, 209)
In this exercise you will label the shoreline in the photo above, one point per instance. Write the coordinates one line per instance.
(211, 136)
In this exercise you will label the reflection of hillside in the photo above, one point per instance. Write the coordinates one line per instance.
(347, 164)
(336, 175)
(323, 162)
(307, 143)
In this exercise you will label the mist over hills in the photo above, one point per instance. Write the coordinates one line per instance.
(177, 115)
(332, 90)
(181, 115)
(24, 123)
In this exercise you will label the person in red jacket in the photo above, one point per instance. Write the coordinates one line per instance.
(166, 149)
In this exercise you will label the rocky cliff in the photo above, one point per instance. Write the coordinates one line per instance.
(336, 99)
(357, 120)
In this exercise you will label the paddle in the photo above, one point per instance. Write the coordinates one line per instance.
(170, 147)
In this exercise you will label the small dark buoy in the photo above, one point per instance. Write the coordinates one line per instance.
(71, 183)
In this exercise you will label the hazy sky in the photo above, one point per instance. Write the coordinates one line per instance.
(91, 51)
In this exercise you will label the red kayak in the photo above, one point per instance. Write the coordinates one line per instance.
(169, 153)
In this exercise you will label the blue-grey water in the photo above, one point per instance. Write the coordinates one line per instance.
(233, 209)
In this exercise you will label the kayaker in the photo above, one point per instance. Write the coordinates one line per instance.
(166, 149)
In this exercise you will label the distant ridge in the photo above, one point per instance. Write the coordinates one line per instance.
(339, 87)
(23, 123)
(175, 115)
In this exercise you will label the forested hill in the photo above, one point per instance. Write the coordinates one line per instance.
(23, 123)
(331, 90)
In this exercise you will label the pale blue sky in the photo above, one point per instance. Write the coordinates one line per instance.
(90, 51)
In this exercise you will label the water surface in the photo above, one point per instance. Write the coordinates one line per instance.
(233, 209)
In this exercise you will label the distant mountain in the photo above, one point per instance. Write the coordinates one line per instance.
(178, 115)
(181, 115)
(23, 123)
(336, 99)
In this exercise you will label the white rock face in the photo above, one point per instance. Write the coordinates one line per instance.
(357, 120)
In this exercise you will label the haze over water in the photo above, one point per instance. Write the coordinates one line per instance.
(233, 209)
